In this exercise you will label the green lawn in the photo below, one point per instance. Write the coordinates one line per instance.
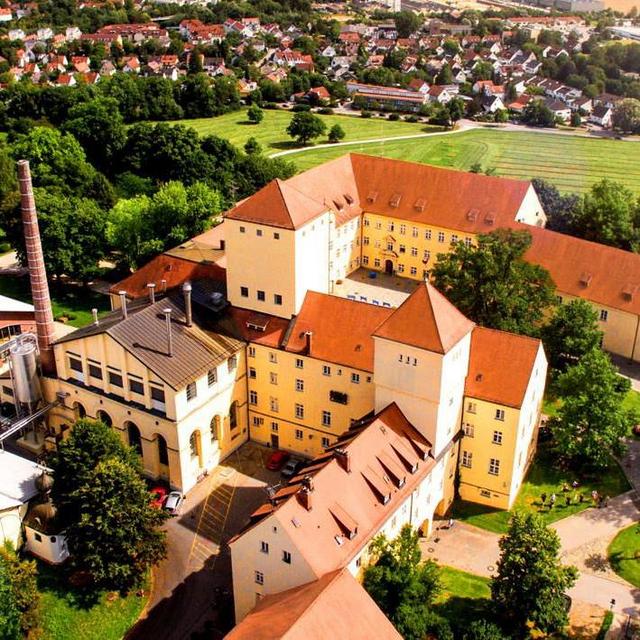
(572, 163)
(632, 401)
(67, 613)
(545, 477)
(73, 303)
(465, 597)
(624, 554)
(271, 132)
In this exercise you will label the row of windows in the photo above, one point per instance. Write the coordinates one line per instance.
(494, 463)
(415, 232)
(258, 421)
(469, 431)
(377, 263)
(402, 248)
(261, 296)
(212, 378)
(259, 233)
(264, 548)
(472, 407)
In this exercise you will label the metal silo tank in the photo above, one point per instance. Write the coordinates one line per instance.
(24, 365)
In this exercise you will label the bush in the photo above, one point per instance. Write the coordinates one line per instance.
(325, 111)
(393, 116)
(300, 107)
(270, 105)
(365, 114)
(412, 119)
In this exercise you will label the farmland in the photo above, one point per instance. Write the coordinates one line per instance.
(271, 132)
(572, 163)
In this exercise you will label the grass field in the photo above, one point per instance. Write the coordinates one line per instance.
(465, 597)
(73, 303)
(66, 613)
(545, 477)
(624, 554)
(572, 163)
(271, 132)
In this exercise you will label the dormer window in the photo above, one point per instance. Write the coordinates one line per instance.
(395, 200)
(472, 215)
(585, 278)
(372, 196)
(490, 218)
(420, 204)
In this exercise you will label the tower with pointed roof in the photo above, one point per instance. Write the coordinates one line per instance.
(421, 362)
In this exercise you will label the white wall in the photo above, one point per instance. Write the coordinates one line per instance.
(531, 211)
(311, 259)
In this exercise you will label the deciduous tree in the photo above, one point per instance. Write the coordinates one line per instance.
(336, 133)
(304, 126)
(626, 116)
(493, 285)
(531, 582)
(591, 422)
(255, 114)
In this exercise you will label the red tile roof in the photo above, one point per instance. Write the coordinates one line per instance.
(500, 366)
(426, 320)
(341, 330)
(596, 272)
(317, 610)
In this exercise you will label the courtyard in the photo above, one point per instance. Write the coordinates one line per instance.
(375, 287)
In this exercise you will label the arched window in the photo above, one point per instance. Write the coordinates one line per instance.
(215, 428)
(233, 415)
(79, 410)
(133, 434)
(194, 444)
(103, 416)
(163, 454)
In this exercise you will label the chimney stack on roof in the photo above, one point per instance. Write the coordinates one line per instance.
(163, 282)
(186, 290)
(151, 287)
(304, 495)
(309, 336)
(94, 313)
(167, 316)
(123, 303)
(344, 459)
(37, 272)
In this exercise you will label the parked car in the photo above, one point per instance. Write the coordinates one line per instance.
(276, 460)
(291, 468)
(174, 502)
(158, 496)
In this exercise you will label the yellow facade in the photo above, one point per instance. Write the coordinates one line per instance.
(292, 408)
(179, 438)
(406, 248)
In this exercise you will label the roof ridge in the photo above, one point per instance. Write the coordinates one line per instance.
(428, 288)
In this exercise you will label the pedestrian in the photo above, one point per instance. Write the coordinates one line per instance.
(574, 484)
(543, 496)
(565, 487)
(606, 501)
(450, 523)
(552, 500)
(581, 498)
(594, 496)
(567, 501)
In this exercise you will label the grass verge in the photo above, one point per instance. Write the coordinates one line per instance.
(624, 554)
(68, 612)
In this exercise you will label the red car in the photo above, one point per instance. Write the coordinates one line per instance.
(158, 496)
(276, 460)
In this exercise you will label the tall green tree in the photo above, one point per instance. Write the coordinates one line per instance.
(99, 128)
(570, 334)
(103, 505)
(19, 597)
(531, 582)
(493, 285)
(404, 586)
(591, 422)
(305, 126)
(255, 114)
(626, 116)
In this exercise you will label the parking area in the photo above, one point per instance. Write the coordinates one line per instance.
(192, 586)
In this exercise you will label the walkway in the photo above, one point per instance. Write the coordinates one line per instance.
(584, 538)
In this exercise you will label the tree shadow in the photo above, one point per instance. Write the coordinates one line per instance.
(57, 580)
(596, 562)
(285, 145)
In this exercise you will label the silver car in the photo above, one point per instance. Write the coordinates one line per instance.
(174, 502)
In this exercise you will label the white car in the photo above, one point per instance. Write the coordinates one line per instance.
(174, 502)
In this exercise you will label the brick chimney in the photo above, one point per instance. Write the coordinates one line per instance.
(37, 271)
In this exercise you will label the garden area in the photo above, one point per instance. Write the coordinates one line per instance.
(71, 304)
(546, 477)
(75, 612)
(572, 163)
(624, 554)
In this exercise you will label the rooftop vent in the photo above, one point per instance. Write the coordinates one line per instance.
(490, 218)
(338, 205)
(629, 291)
(420, 204)
(349, 198)
(395, 200)
(585, 278)
(372, 196)
(479, 378)
(472, 215)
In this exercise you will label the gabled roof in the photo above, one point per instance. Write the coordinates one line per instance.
(426, 320)
(143, 334)
(317, 611)
(613, 274)
(368, 493)
(500, 366)
(341, 330)
(278, 205)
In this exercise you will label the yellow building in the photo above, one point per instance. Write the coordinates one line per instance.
(502, 406)
(172, 384)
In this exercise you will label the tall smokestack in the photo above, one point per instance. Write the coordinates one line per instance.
(37, 271)
(186, 290)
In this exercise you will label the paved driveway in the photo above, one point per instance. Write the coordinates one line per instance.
(584, 538)
(192, 587)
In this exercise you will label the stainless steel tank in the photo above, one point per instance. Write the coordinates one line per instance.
(24, 365)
